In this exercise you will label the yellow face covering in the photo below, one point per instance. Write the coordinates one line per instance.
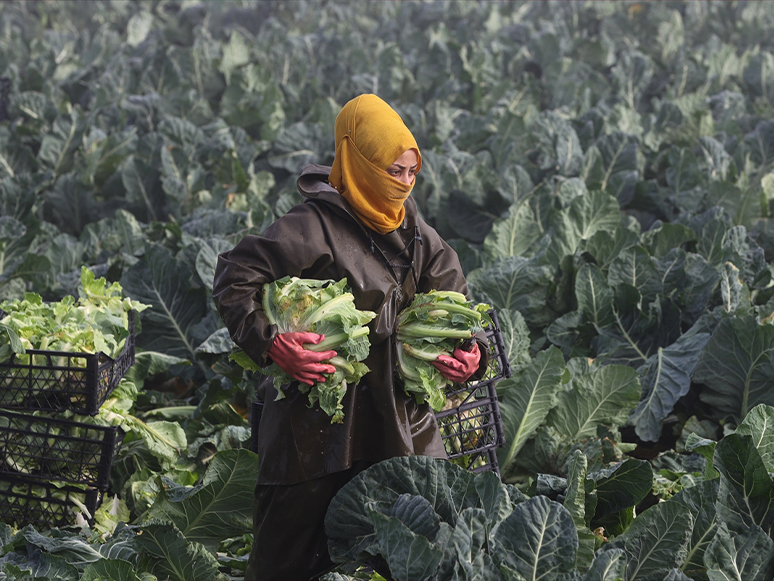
(370, 136)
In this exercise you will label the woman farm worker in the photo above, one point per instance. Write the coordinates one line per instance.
(358, 221)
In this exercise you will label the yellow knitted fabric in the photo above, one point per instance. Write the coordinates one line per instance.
(370, 136)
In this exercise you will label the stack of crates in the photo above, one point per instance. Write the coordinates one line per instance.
(52, 468)
(471, 426)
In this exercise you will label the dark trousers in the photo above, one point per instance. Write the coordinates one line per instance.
(288, 525)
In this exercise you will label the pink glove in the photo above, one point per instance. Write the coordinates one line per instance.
(460, 367)
(299, 363)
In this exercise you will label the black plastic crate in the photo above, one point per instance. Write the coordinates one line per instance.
(47, 449)
(471, 425)
(79, 382)
(44, 504)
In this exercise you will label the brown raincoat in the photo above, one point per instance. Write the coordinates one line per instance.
(322, 239)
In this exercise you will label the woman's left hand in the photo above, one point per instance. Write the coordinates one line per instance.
(460, 367)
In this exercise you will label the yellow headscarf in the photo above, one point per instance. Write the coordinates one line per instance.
(370, 136)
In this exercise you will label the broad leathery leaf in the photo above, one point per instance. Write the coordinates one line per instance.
(59, 145)
(730, 287)
(516, 338)
(538, 540)
(621, 486)
(736, 367)
(618, 171)
(705, 447)
(740, 556)
(40, 566)
(513, 235)
(683, 173)
(469, 538)
(110, 570)
(71, 205)
(449, 488)
(73, 550)
(759, 424)
(635, 267)
(702, 279)
(608, 565)
(138, 27)
(220, 342)
(746, 494)
(603, 397)
(665, 378)
(526, 400)
(515, 283)
(594, 296)
(661, 239)
(15, 158)
(677, 575)
(298, 145)
(416, 513)
(496, 499)
(235, 54)
(165, 440)
(575, 503)
(216, 510)
(166, 553)
(410, 556)
(162, 281)
(207, 259)
(657, 541)
(585, 216)
(605, 246)
(700, 500)
(558, 144)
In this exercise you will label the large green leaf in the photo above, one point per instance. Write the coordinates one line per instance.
(657, 541)
(58, 146)
(608, 565)
(665, 378)
(516, 339)
(736, 367)
(166, 553)
(163, 282)
(621, 486)
(594, 296)
(635, 267)
(585, 216)
(513, 235)
(537, 541)
(514, 283)
(215, 509)
(759, 424)
(448, 488)
(526, 401)
(740, 556)
(575, 503)
(746, 494)
(410, 555)
(700, 500)
(603, 397)
(110, 570)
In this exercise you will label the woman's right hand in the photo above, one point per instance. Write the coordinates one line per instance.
(303, 365)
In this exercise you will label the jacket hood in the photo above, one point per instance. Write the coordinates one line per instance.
(313, 185)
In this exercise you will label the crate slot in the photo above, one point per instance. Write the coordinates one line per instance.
(43, 504)
(43, 448)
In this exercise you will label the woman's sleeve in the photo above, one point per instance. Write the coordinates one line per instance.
(291, 246)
